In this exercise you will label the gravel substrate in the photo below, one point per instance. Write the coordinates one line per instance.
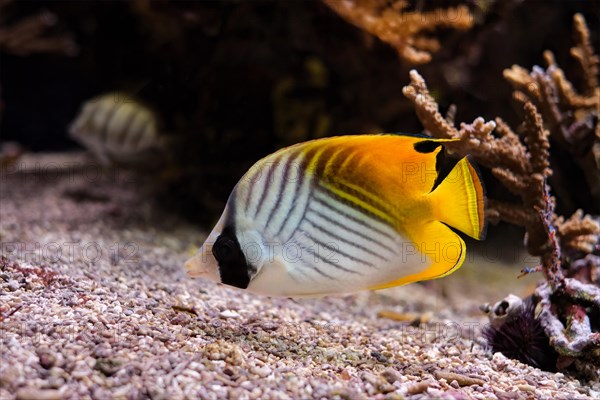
(94, 303)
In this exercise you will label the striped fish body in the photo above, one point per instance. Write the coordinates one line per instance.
(118, 129)
(342, 214)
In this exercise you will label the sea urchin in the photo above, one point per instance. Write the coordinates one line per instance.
(515, 332)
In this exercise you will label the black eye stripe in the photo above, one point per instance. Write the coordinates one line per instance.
(225, 249)
(233, 267)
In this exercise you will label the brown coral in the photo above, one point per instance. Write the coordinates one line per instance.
(584, 54)
(403, 30)
(30, 35)
(571, 117)
(569, 300)
(521, 167)
(578, 234)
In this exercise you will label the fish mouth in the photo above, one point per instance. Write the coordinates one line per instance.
(203, 265)
(193, 269)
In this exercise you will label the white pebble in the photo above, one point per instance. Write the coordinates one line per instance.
(229, 314)
(263, 372)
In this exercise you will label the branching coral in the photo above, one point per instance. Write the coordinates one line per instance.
(30, 35)
(568, 303)
(577, 234)
(402, 29)
(522, 169)
(571, 117)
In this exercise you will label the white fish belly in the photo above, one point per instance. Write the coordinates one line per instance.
(315, 243)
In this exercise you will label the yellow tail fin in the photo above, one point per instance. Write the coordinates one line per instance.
(459, 200)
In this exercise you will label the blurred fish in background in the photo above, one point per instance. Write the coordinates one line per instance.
(119, 129)
(234, 81)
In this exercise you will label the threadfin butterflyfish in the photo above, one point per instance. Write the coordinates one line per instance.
(119, 129)
(343, 214)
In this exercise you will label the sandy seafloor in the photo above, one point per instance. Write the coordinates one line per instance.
(94, 303)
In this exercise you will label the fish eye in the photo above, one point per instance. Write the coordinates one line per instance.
(233, 268)
(225, 248)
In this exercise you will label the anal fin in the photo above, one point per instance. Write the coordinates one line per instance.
(444, 249)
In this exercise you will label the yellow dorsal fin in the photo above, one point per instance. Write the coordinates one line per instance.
(410, 161)
(399, 165)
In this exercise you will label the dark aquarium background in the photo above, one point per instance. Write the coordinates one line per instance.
(232, 81)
